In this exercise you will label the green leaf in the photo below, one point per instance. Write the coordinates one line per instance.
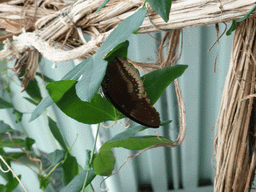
(91, 80)
(89, 188)
(247, 14)
(102, 5)
(32, 88)
(7, 176)
(56, 156)
(105, 156)
(2, 188)
(77, 183)
(31, 101)
(103, 163)
(100, 109)
(13, 144)
(132, 131)
(234, 23)
(5, 104)
(11, 185)
(162, 7)
(156, 81)
(90, 65)
(73, 74)
(96, 111)
(58, 89)
(17, 155)
(5, 128)
(87, 159)
(44, 181)
(28, 143)
(18, 115)
(57, 134)
(119, 51)
(46, 102)
(70, 169)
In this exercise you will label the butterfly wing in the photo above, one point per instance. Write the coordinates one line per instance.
(123, 87)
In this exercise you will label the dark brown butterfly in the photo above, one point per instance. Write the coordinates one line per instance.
(123, 87)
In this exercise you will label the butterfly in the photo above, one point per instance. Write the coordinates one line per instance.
(124, 88)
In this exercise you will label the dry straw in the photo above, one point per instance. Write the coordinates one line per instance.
(54, 28)
(54, 23)
(235, 139)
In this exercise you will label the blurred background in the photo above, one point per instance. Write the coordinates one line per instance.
(188, 168)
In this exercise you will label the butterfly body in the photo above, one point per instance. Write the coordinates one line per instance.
(123, 87)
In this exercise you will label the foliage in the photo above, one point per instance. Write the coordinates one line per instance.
(77, 98)
(234, 23)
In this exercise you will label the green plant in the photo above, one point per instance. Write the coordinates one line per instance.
(78, 100)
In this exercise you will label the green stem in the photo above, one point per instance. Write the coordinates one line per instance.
(144, 3)
(53, 169)
(91, 158)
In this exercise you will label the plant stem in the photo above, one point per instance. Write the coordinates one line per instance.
(144, 3)
(91, 158)
(10, 169)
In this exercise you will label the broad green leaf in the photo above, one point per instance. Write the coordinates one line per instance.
(5, 104)
(56, 156)
(89, 84)
(70, 169)
(11, 185)
(5, 128)
(73, 74)
(57, 133)
(29, 142)
(162, 7)
(102, 5)
(58, 89)
(96, 111)
(77, 183)
(156, 81)
(103, 163)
